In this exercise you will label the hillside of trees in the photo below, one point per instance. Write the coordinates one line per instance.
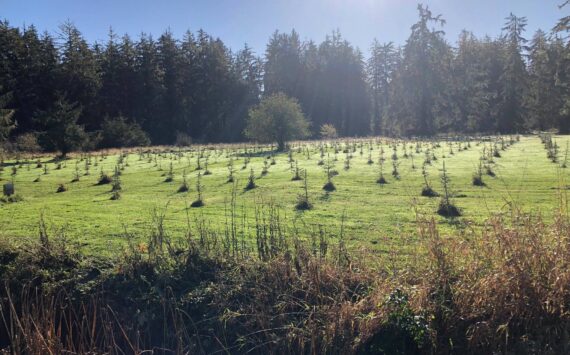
(166, 89)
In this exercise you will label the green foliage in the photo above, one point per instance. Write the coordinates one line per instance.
(62, 132)
(27, 142)
(6, 122)
(194, 89)
(328, 131)
(277, 118)
(119, 133)
(404, 332)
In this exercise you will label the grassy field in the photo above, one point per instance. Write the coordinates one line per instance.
(377, 217)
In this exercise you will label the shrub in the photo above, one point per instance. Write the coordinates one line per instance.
(489, 170)
(104, 179)
(381, 180)
(250, 181)
(231, 170)
(27, 142)
(277, 118)
(184, 186)
(119, 133)
(427, 190)
(297, 176)
(170, 174)
(328, 131)
(61, 131)
(329, 186)
(303, 202)
(116, 186)
(199, 202)
(183, 139)
(330, 173)
(446, 208)
(403, 332)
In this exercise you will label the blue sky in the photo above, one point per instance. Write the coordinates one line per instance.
(253, 21)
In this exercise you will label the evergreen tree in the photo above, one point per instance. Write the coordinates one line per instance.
(423, 83)
(472, 86)
(380, 67)
(79, 74)
(150, 87)
(544, 99)
(514, 77)
(60, 129)
(6, 122)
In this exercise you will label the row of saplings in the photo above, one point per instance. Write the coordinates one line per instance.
(446, 208)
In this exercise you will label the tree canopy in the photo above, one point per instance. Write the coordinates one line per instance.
(277, 118)
(196, 87)
(6, 122)
(60, 129)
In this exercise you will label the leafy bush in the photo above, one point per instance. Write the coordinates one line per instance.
(328, 131)
(403, 332)
(277, 118)
(119, 132)
(27, 142)
(183, 139)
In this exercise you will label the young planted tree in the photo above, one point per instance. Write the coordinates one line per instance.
(565, 161)
(427, 190)
(104, 178)
(395, 171)
(303, 202)
(277, 118)
(297, 176)
(329, 171)
(250, 181)
(184, 186)
(265, 168)
(116, 184)
(206, 170)
(77, 173)
(381, 179)
(169, 174)
(116, 187)
(231, 170)
(478, 175)
(199, 202)
(446, 207)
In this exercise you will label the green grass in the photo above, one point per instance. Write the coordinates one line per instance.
(377, 217)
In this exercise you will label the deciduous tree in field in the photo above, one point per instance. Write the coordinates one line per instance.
(328, 131)
(277, 118)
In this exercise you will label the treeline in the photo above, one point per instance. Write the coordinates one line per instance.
(163, 90)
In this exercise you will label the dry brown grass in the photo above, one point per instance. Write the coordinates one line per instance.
(505, 289)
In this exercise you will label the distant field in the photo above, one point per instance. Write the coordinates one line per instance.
(377, 217)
